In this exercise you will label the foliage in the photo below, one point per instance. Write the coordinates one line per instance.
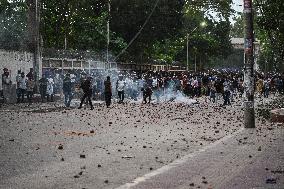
(270, 21)
(82, 26)
(128, 16)
(76, 24)
(13, 24)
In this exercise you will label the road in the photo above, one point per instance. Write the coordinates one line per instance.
(48, 146)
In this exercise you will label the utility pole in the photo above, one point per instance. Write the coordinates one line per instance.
(34, 43)
(108, 40)
(249, 114)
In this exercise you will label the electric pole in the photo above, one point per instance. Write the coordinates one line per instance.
(249, 114)
(108, 39)
(34, 43)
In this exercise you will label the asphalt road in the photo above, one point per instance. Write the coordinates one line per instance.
(47, 146)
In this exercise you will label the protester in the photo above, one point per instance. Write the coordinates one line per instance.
(22, 87)
(227, 93)
(259, 86)
(31, 74)
(108, 92)
(147, 90)
(219, 89)
(43, 87)
(30, 88)
(266, 88)
(86, 86)
(18, 91)
(212, 92)
(50, 89)
(156, 88)
(6, 84)
(164, 85)
(120, 86)
(67, 90)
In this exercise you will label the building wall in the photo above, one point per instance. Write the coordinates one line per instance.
(14, 61)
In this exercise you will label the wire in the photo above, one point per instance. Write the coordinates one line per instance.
(138, 33)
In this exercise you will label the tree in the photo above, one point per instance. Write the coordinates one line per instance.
(270, 21)
(128, 17)
(13, 32)
(237, 30)
(78, 25)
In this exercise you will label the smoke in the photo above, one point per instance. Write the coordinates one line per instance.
(133, 85)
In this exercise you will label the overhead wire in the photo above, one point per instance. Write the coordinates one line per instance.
(138, 33)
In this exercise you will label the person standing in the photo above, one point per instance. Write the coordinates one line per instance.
(67, 90)
(50, 89)
(22, 87)
(147, 93)
(120, 85)
(30, 88)
(212, 91)
(266, 86)
(108, 92)
(86, 86)
(259, 86)
(156, 88)
(218, 86)
(6, 84)
(226, 96)
(31, 74)
(43, 87)
(18, 78)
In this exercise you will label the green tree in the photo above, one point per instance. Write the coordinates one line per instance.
(129, 16)
(270, 22)
(13, 24)
(78, 25)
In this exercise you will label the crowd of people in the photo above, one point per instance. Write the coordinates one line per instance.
(146, 87)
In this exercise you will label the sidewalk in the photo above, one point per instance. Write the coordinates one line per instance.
(248, 159)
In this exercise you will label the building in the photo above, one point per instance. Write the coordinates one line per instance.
(238, 43)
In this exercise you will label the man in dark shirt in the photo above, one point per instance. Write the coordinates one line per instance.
(219, 89)
(31, 74)
(43, 87)
(86, 86)
(108, 92)
(67, 90)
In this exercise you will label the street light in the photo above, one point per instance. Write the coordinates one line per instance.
(202, 25)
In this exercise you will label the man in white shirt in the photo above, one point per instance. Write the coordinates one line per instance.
(22, 84)
(120, 85)
(227, 92)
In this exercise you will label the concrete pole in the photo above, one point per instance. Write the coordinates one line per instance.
(249, 114)
(34, 41)
(38, 54)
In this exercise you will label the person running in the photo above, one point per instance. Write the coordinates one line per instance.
(108, 92)
(86, 86)
(147, 90)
